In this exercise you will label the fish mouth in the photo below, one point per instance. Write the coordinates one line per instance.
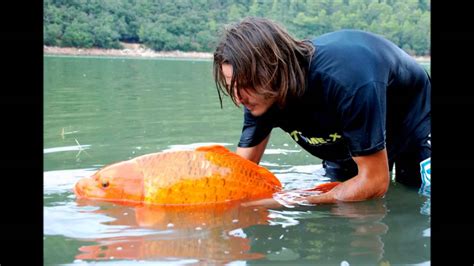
(87, 188)
(79, 189)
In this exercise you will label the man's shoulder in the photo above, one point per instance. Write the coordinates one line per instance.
(345, 33)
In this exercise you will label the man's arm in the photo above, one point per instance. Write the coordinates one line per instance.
(254, 153)
(371, 181)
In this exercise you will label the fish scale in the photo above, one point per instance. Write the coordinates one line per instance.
(210, 174)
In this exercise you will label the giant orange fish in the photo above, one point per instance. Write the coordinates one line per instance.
(209, 174)
(206, 175)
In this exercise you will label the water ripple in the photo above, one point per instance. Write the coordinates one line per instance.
(61, 181)
(66, 148)
(192, 146)
(77, 222)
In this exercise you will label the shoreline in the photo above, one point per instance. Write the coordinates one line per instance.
(129, 50)
(140, 51)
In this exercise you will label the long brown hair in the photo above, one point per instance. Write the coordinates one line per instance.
(264, 58)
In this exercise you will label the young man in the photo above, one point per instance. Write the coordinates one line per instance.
(351, 98)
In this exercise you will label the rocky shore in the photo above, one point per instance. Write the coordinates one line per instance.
(129, 50)
(138, 50)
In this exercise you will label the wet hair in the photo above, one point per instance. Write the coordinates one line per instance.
(265, 59)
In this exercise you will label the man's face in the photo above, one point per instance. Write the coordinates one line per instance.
(257, 104)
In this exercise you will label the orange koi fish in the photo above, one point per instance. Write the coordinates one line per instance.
(206, 175)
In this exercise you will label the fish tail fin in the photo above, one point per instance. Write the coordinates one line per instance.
(325, 187)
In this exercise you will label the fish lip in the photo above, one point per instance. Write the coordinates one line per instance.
(76, 189)
(79, 190)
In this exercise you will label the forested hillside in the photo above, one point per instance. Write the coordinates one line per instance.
(194, 25)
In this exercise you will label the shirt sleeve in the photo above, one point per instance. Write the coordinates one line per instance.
(363, 114)
(255, 129)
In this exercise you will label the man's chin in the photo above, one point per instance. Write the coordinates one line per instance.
(257, 112)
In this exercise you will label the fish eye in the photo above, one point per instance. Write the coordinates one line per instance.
(105, 183)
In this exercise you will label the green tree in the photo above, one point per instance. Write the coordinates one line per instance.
(105, 36)
(52, 34)
(78, 34)
(155, 36)
(194, 24)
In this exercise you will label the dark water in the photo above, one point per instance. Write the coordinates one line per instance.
(103, 110)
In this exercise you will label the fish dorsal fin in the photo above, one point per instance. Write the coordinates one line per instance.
(245, 163)
(214, 148)
(219, 149)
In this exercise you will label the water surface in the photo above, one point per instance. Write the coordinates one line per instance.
(102, 110)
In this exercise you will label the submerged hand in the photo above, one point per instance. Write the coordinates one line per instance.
(267, 203)
(289, 199)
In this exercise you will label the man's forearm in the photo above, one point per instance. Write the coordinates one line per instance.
(357, 188)
(372, 181)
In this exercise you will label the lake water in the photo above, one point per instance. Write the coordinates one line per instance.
(102, 110)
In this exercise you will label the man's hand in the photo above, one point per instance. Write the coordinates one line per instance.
(292, 198)
(371, 181)
(267, 203)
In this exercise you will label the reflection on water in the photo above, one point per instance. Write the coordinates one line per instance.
(217, 234)
(99, 111)
(203, 233)
(426, 207)
(329, 235)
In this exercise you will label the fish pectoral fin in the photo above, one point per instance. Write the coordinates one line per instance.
(325, 187)
(213, 148)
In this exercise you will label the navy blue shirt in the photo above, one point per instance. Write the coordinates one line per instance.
(363, 94)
